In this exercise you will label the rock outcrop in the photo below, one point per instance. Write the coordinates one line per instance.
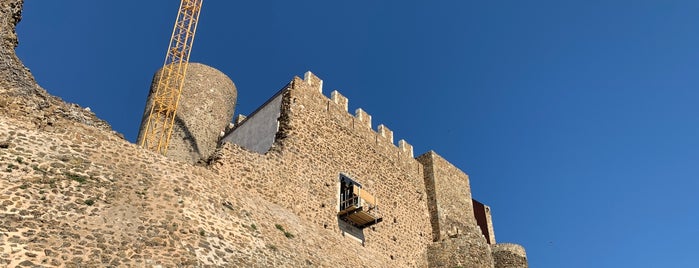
(20, 96)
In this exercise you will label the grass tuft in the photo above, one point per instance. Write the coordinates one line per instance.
(76, 177)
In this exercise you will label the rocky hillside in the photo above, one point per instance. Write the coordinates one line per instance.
(74, 193)
(20, 96)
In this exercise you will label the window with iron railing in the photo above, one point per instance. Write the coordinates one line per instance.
(357, 207)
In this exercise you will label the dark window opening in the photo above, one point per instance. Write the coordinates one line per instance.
(357, 207)
(480, 212)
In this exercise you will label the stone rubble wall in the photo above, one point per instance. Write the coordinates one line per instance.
(317, 141)
(20, 96)
(205, 109)
(467, 249)
(76, 196)
(449, 195)
(74, 193)
(507, 255)
(484, 220)
(14, 74)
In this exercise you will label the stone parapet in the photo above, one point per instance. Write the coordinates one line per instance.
(508, 255)
(340, 100)
(337, 106)
(448, 196)
(468, 249)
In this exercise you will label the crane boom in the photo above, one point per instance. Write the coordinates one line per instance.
(166, 95)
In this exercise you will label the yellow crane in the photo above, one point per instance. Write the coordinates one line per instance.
(166, 96)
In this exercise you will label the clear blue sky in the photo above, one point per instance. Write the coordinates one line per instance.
(576, 120)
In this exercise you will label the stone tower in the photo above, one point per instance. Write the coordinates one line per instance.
(206, 107)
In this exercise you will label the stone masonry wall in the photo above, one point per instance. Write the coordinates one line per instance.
(449, 195)
(508, 255)
(20, 96)
(468, 249)
(317, 141)
(14, 74)
(484, 220)
(205, 109)
(74, 193)
(77, 196)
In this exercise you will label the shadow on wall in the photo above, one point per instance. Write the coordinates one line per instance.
(351, 231)
(189, 138)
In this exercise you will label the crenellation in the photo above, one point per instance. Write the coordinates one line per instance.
(363, 117)
(385, 133)
(297, 83)
(406, 148)
(267, 197)
(339, 99)
(224, 211)
(313, 81)
(337, 106)
(340, 115)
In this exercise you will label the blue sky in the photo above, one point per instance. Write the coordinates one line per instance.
(576, 120)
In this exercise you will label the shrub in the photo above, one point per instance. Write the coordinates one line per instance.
(281, 228)
(288, 235)
(76, 177)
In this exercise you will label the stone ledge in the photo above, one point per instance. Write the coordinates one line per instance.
(510, 247)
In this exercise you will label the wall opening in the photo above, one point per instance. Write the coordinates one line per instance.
(357, 209)
(481, 213)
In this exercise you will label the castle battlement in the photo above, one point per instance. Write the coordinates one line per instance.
(337, 106)
(270, 195)
(427, 193)
(385, 133)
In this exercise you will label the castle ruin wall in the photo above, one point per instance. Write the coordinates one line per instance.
(468, 249)
(206, 107)
(106, 202)
(449, 196)
(317, 141)
(421, 199)
(508, 255)
(484, 220)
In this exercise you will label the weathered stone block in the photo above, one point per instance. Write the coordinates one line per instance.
(508, 255)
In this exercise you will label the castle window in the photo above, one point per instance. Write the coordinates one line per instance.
(357, 207)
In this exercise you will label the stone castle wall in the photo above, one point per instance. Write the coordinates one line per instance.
(20, 96)
(206, 106)
(508, 255)
(468, 249)
(422, 199)
(484, 219)
(74, 193)
(317, 141)
(450, 196)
